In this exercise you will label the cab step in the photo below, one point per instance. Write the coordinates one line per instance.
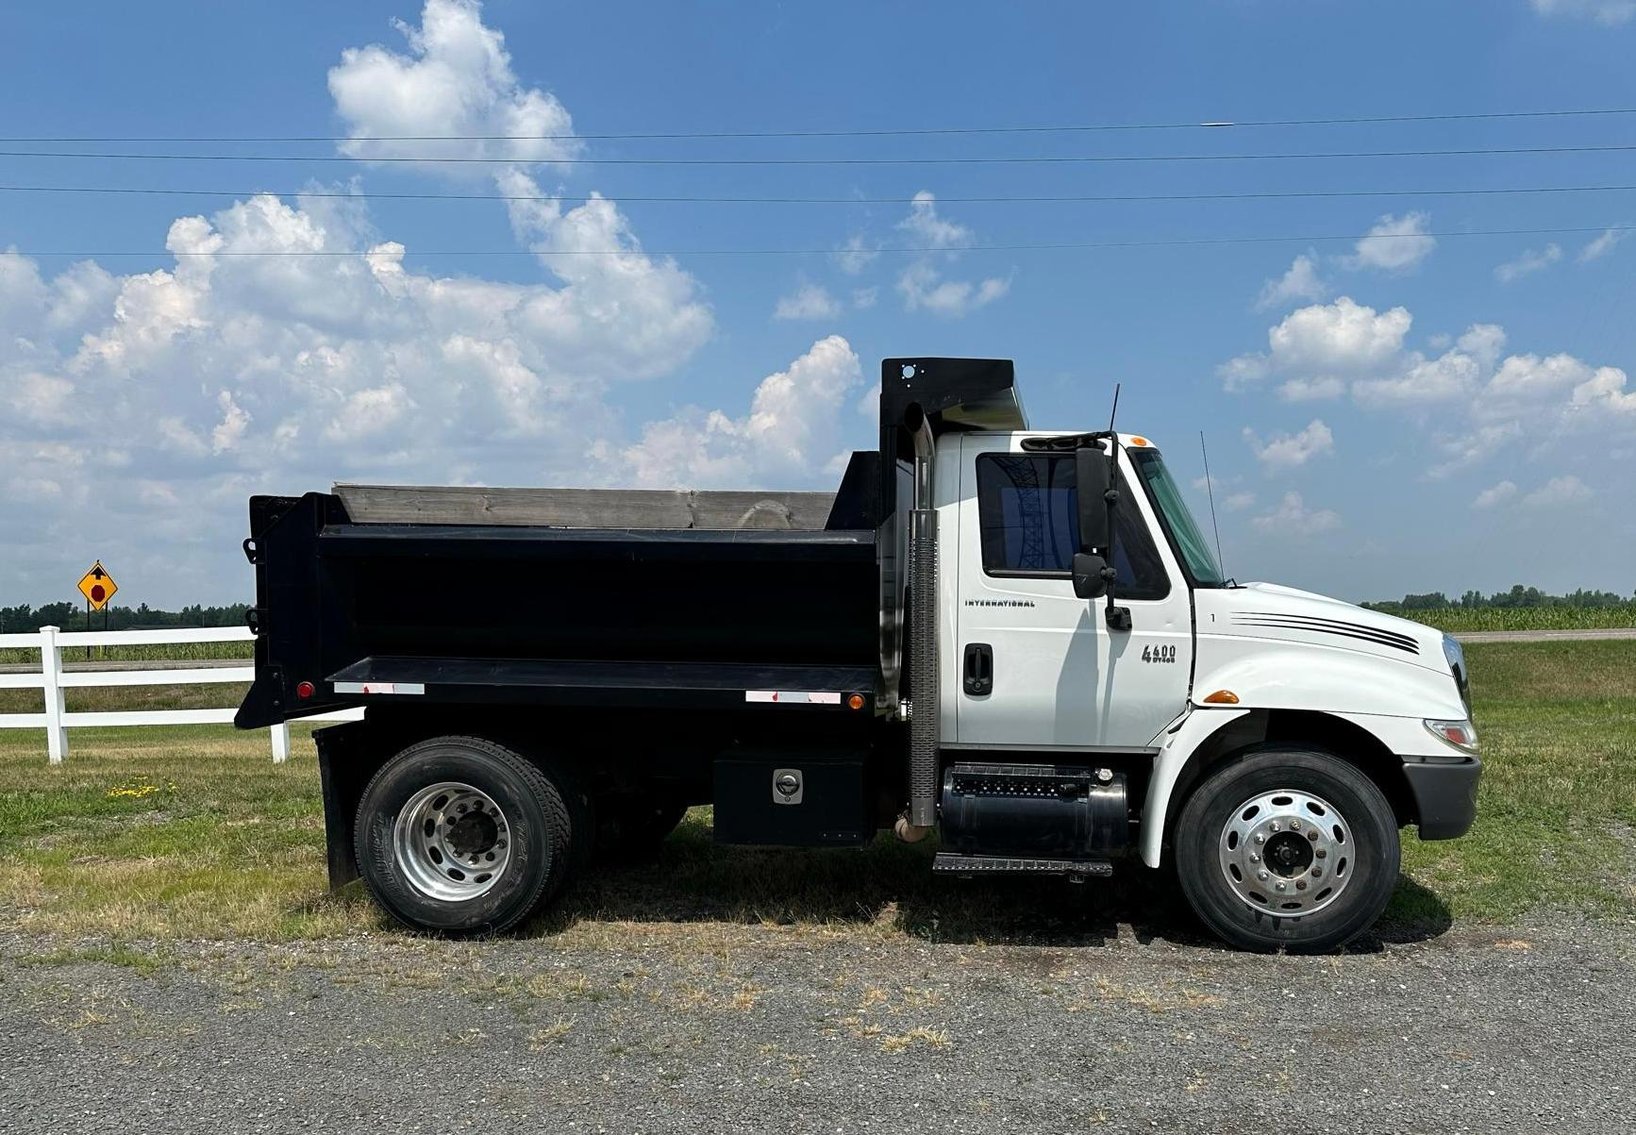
(953, 863)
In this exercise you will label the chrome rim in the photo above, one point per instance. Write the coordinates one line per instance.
(1286, 852)
(452, 842)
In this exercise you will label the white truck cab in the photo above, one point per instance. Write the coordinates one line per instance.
(1206, 678)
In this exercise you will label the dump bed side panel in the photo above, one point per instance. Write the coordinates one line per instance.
(332, 595)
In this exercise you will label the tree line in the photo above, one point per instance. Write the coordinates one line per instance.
(71, 617)
(1517, 596)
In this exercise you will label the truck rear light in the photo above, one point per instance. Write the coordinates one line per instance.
(855, 701)
(304, 690)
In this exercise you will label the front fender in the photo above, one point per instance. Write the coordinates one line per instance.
(1324, 679)
(1177, 745)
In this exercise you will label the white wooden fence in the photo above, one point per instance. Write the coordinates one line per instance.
(53, 679)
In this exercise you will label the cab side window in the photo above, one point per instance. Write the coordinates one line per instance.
(1028, 513)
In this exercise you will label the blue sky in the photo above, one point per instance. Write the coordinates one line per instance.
(1425, 410)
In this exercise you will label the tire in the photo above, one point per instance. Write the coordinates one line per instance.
(631, 830)
(1300, 818)
(460, 836)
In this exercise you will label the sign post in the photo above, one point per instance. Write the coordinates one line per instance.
(98, 587)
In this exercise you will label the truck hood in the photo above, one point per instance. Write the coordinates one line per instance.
(1271, 611)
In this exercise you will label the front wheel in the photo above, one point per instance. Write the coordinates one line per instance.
(1289, 849)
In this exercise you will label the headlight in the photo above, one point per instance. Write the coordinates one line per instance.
(1456, 656)
(1461, 734)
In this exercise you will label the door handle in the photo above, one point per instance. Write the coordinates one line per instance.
(979, 673)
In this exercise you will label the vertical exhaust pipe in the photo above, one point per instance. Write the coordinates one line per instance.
(923, 614)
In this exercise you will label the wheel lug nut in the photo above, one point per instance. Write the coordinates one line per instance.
(1254, 858)
(1295, 825)
(1259, 838)
(1280, 886)
(1317, 872)
(1313, 835)
(1272, 827)
(1321, 853)
(1262, 875)
(1301, 885)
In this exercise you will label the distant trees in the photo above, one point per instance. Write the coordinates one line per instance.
(1517, 596)
(71, 616)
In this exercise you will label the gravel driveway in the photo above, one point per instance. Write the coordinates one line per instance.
(713, 1028)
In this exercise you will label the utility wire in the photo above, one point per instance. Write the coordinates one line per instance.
(907, 249)
(899, 132)
(1270, 195)
(1077, 159)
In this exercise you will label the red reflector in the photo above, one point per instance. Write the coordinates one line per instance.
(304, 690)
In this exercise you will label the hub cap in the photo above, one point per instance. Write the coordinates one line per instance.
(1286, 852)
(452, 842)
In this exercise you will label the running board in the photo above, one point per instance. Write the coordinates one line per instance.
(952, 863)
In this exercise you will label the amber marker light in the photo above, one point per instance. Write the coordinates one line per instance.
(855, 701)
(1221, 697)
(1140, 441)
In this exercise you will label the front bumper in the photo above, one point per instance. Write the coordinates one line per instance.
(1445, 794)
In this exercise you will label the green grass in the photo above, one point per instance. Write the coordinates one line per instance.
(193, 832)
(1456, 620)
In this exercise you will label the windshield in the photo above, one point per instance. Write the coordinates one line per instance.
(1176, 517)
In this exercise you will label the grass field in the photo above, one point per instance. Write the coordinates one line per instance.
(1458, 620)
(155, 833)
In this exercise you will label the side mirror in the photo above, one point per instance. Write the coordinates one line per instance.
(1090, 575)
(1091, 477)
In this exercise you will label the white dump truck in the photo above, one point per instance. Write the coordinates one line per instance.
(1014, 638)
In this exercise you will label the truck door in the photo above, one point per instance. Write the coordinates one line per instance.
(1036, 667)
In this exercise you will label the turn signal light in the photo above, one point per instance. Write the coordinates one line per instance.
(1222, 697)
(304, 690)
(1460, 734)
(855, 701)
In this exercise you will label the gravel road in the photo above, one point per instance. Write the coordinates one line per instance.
(710, 1028)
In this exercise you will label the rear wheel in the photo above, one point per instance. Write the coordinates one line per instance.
(1289, 849)
(460, 835)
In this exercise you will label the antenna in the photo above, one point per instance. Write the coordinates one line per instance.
(1210, 488)
(1115, 412)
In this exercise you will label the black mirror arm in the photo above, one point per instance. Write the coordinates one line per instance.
(1117, 618)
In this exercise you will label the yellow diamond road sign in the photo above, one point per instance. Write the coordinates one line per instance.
(98, 587)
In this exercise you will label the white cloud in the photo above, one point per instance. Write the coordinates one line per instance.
(1294, 517)
(1558, 491)
(855, 255)
(454, 82)
(1607, 12)
(1315, 347)
(928, 228)
(924, 288)
(1528, 263)
(1238, 502)
(1288, 451)
(1394, 244)
(809, 301)
(1602, 245)
(1495, 495)
(922, 284)
(224, 373)
(864, 298)
(1299, 282)
(793, 428)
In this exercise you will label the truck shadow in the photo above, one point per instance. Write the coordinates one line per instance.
(889, 887)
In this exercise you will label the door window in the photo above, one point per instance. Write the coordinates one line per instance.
(1028, 514)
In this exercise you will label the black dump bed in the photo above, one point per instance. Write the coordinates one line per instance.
(681, 599)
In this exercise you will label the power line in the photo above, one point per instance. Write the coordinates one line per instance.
(906, 249)
(1007, 199)
(1036, 159)
(891, 132)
